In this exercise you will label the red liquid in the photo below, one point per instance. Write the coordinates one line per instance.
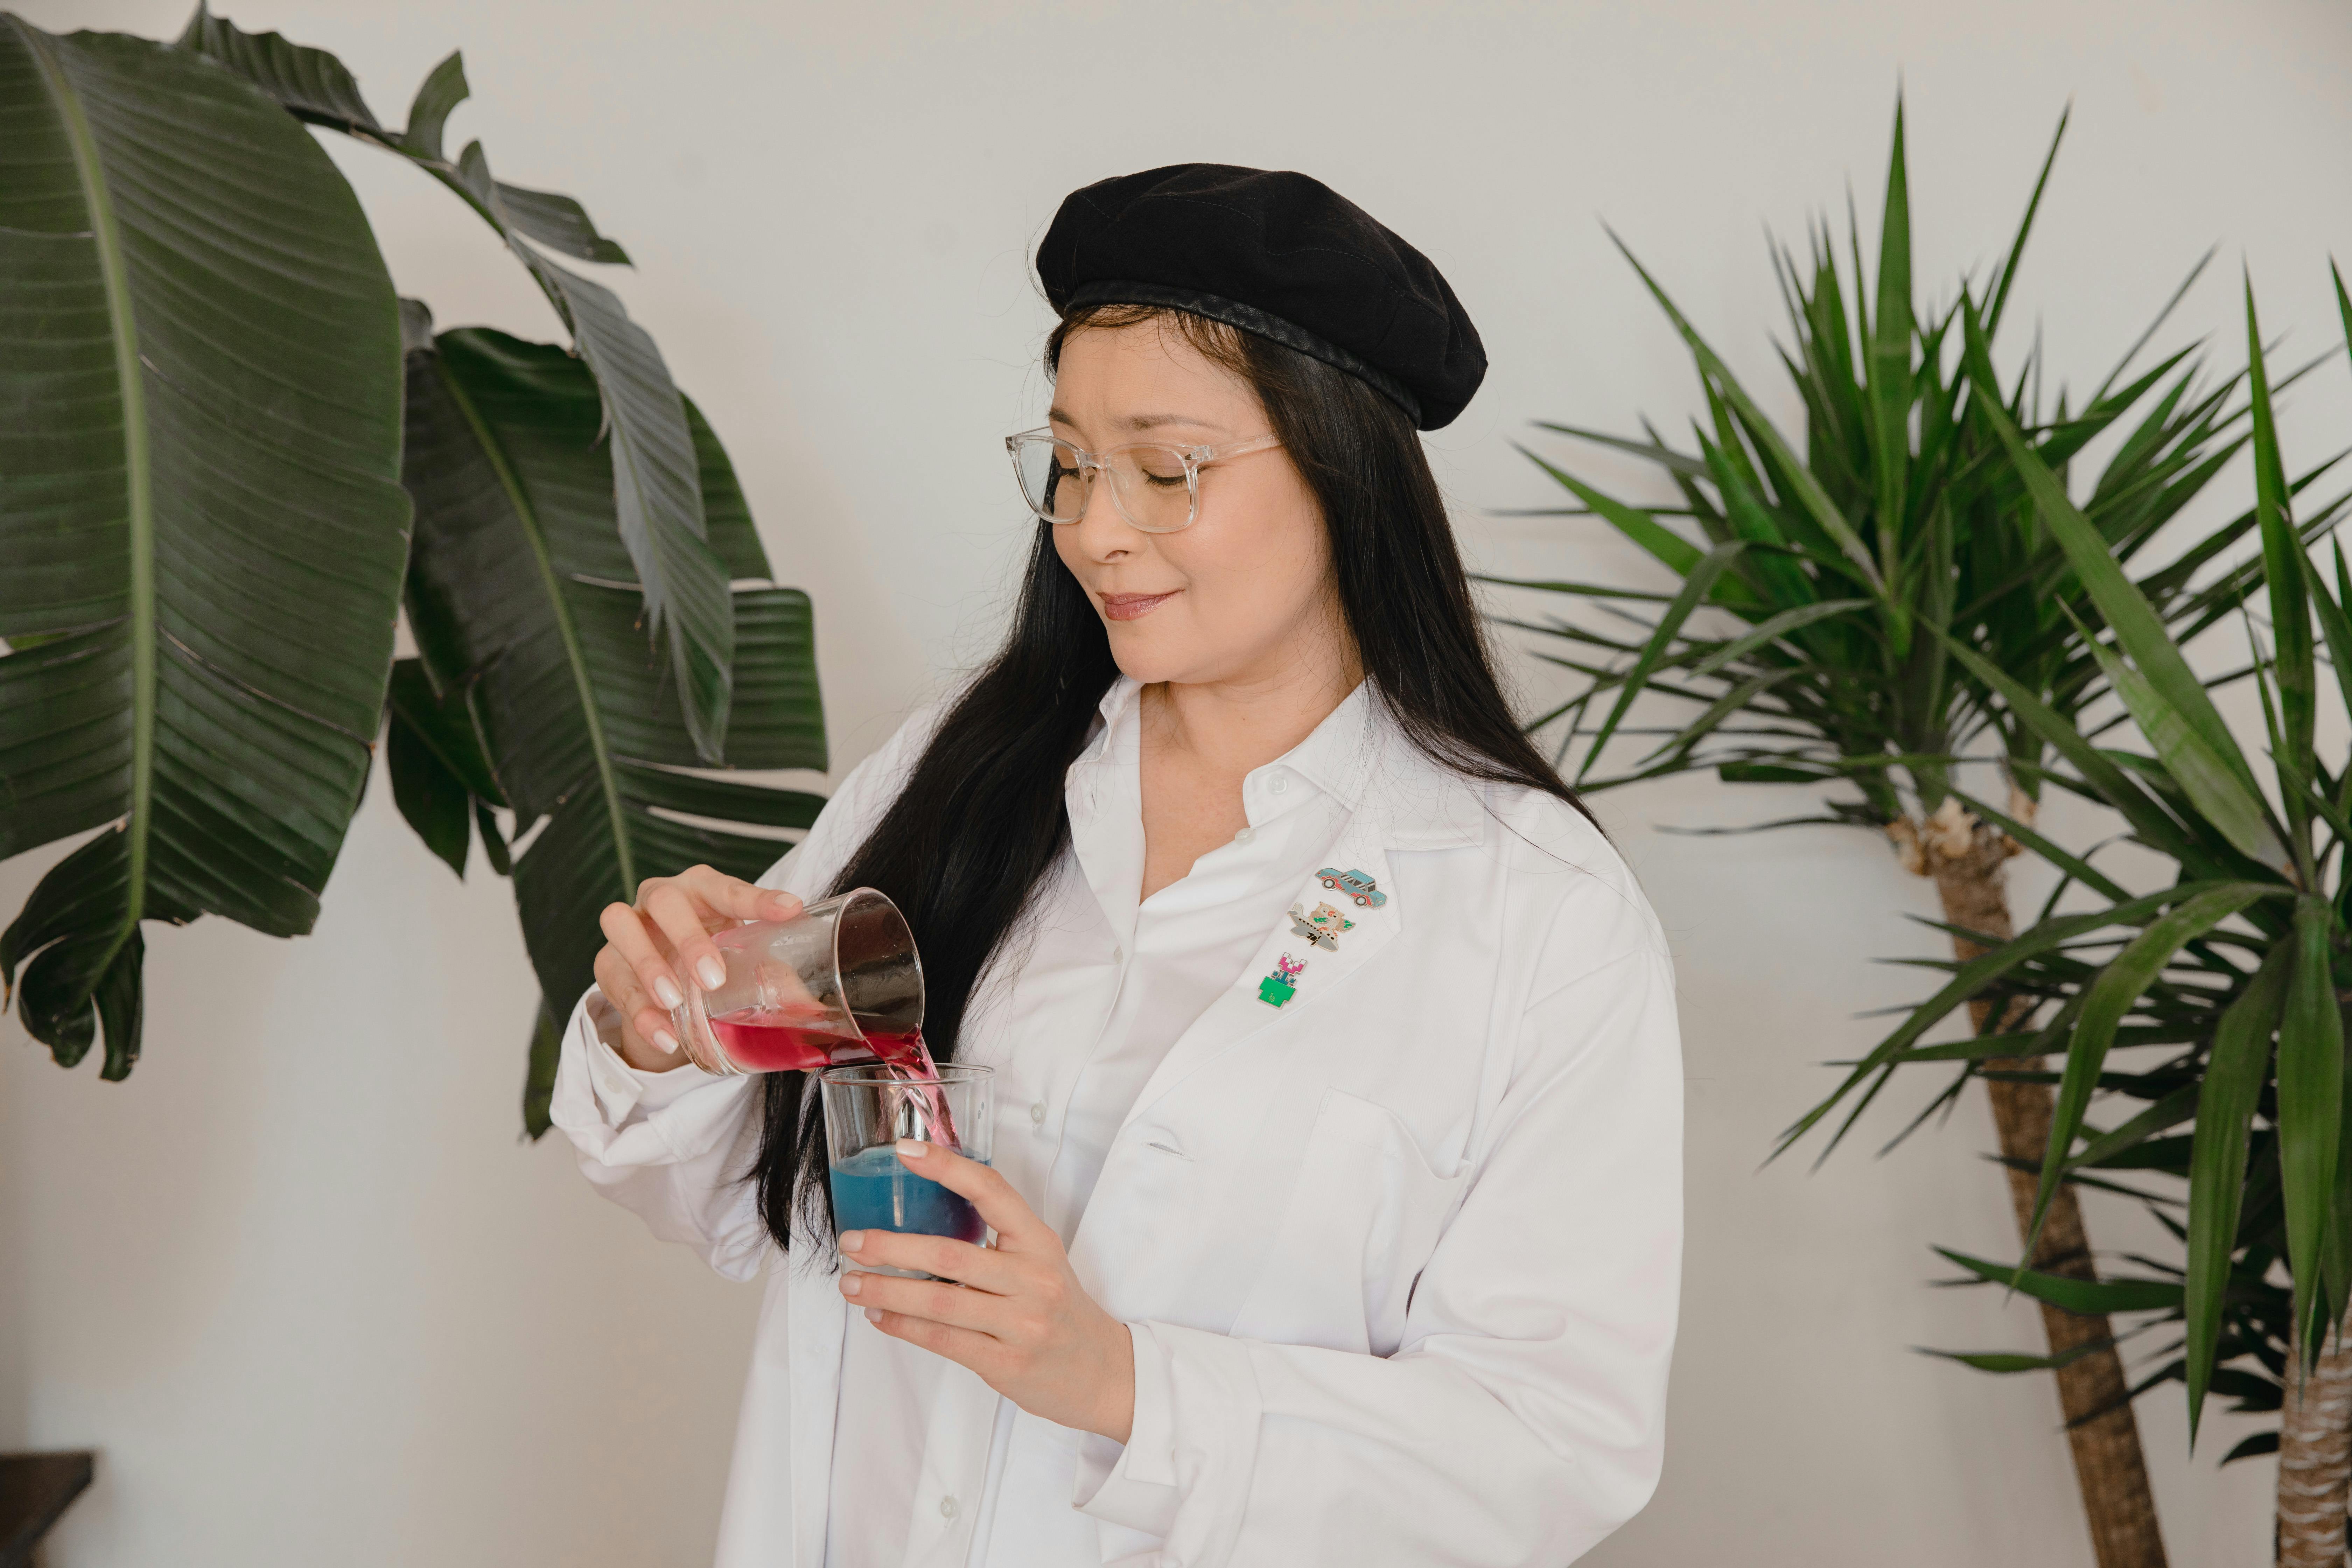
(772, 1040)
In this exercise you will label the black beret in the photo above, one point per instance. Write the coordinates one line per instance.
(1275, 254)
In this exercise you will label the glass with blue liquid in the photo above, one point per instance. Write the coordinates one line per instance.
(869, 1107)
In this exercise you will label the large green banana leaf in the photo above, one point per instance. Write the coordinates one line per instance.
(524, 610)
(201, 519)
(654, 468)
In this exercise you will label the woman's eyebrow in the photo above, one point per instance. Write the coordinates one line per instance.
(1134, 422)
(1152, 421)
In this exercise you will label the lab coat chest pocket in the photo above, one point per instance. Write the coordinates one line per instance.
(1362, 1218)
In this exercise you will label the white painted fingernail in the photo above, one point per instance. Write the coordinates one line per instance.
(912, 1149)
(713, 972)
(851, 1240)
(782, 903)
(873, 1314)
(666, 993)
(665, 1042)
(851, 1284)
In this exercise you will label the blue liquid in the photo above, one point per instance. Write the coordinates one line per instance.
(872, 1191)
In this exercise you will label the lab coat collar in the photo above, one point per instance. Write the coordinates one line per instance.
(1339, 755)
(1406, 803)
(1413, 802)
(1123, 693)
(1398, 799)
(1103, 794)
(1358, 754)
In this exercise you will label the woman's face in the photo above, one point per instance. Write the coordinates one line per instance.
(1243, 595)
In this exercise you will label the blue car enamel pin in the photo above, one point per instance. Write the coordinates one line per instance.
(1355, 884)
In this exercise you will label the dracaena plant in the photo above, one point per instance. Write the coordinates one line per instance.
(210, 517)
(2214, 1004)
(1802, 635)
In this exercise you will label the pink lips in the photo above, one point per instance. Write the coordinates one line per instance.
(1133, 607)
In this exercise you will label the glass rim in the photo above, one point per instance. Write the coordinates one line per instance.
(1201, 451)
(858, 1075)
(850, 900)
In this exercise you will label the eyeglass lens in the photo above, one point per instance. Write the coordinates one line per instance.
(1147, 483)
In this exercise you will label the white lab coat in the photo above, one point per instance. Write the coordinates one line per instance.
(1400, 1258)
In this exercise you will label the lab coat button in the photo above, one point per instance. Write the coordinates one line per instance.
(946, 1508)
(1246, 834)
(1037, 1113)
(1280, 782)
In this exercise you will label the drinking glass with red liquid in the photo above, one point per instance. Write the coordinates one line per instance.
(840, 983)
(839, 990)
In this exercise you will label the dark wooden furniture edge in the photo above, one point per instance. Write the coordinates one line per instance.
(34, 1490)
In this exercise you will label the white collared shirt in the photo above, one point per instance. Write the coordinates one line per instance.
(1395, 1236)
(1173, 953)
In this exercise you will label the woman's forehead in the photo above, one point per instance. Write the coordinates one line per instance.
(1135, 379)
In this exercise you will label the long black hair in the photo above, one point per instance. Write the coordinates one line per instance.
(980, 821)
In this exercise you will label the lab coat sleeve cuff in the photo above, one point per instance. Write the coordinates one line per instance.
(1135, 1486)
(617, 1115)
(620, 1088)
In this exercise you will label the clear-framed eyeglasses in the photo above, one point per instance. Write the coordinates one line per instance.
(1156, 488)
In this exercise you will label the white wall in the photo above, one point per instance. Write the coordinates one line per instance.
(298, 1279)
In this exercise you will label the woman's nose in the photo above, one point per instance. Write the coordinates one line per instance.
(1102, 531)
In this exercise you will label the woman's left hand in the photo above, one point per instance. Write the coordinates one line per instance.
(1016, 1316)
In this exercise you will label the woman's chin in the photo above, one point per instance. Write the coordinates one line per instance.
(1180, 655)
(1140, 667)
(1149, 666)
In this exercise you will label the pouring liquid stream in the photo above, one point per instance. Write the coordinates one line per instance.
(782, 1040)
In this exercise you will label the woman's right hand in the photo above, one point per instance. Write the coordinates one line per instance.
(651, 944)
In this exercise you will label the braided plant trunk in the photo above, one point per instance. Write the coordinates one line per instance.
(1966, 858)
(2316, 1455)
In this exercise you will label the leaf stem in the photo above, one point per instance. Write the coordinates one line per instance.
(138, 473)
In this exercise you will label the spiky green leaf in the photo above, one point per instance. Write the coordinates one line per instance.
(2217, 1165)
(2119, 985)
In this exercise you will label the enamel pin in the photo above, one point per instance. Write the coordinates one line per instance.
(1281, 984)
(1321, 926)
(1355, 884)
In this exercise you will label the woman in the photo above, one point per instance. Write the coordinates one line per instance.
(1337, 1181)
